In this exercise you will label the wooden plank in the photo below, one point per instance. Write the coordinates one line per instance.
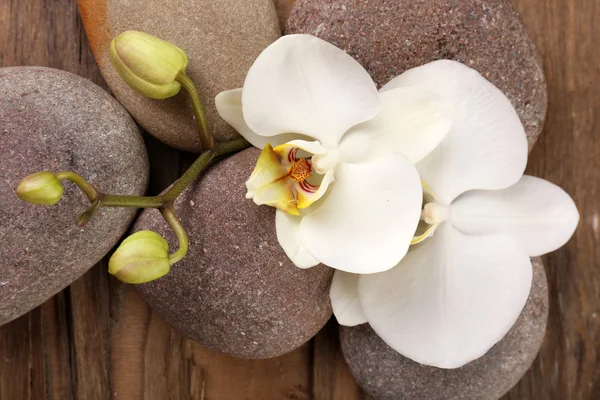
(151, 360)
(57, 352)
(568, 154)
(284, 7)
(38, 347)
(332, 379)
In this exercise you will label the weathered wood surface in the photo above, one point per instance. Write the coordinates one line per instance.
(99, 340)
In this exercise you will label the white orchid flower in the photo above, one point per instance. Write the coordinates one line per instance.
(460, 291)
(341, 170)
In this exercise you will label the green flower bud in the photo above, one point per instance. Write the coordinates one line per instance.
(149, 65)
(142, 257)
(40, 188)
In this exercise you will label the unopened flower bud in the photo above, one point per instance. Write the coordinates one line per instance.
(142, 257)
(147, 64)
(40, 188)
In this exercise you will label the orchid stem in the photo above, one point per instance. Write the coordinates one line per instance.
(169, 215)
(90, 191)
(206, 139)
(110, 200)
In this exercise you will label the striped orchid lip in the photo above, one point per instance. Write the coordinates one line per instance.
(284, 177)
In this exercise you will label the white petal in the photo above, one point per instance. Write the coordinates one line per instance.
(486, 147)
(287, 233)
(344, 299)
(366, 222)
(229, 107)
(410, 121)
(302, 84)
(449, 300)
(538, 214)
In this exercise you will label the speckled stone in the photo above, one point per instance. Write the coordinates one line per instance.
(386, 375)
(390, 36)
(56, 121)
(222, 41)
(236, 291)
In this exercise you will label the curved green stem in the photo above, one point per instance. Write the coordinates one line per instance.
(169, 215)
(90, 191)
(112, 200)
(163, 202)
(86, 216)
(206, 139)
(193, 171)
(201, 163)
(204, 161)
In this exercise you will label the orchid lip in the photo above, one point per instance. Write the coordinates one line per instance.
(284, 177)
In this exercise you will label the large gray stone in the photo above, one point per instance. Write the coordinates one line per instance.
(222, 40)
(236, 291)
(387, 375)
(390, 36)
(53, 120)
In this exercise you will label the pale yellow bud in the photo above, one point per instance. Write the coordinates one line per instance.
(142, 257)
(40, 188)
(147, 64)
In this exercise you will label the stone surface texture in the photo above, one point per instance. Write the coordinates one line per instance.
(387, 375)
(222, 40)
(236, 291)
(390, 36)
(56, 121)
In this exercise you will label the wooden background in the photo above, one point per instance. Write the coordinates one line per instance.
(98, 340)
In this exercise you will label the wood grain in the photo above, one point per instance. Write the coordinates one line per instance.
(568, 154)
(99, 340)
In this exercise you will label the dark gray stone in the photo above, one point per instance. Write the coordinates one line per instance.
(56, 121)
(387, 375)
(390, 36)
(222, 40)
(236, 291)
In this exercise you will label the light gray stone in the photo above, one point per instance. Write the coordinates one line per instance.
(236, 291)
(56, 121)
(390, 36)
(222, 40)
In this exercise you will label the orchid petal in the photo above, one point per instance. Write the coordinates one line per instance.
(451, 299)
(366, 222)
(410, 121)
(229, 107)
(302, 84)
(344, 299)
(288, 235)
(538, 214)
(486, 147)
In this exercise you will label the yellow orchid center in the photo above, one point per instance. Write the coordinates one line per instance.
(281, 179)
(300, 170)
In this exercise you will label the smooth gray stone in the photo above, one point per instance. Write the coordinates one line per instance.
(236, 291)
(221, 39)
(56, 121)
(390, 36)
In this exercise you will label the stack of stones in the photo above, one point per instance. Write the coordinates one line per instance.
(237, 291)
